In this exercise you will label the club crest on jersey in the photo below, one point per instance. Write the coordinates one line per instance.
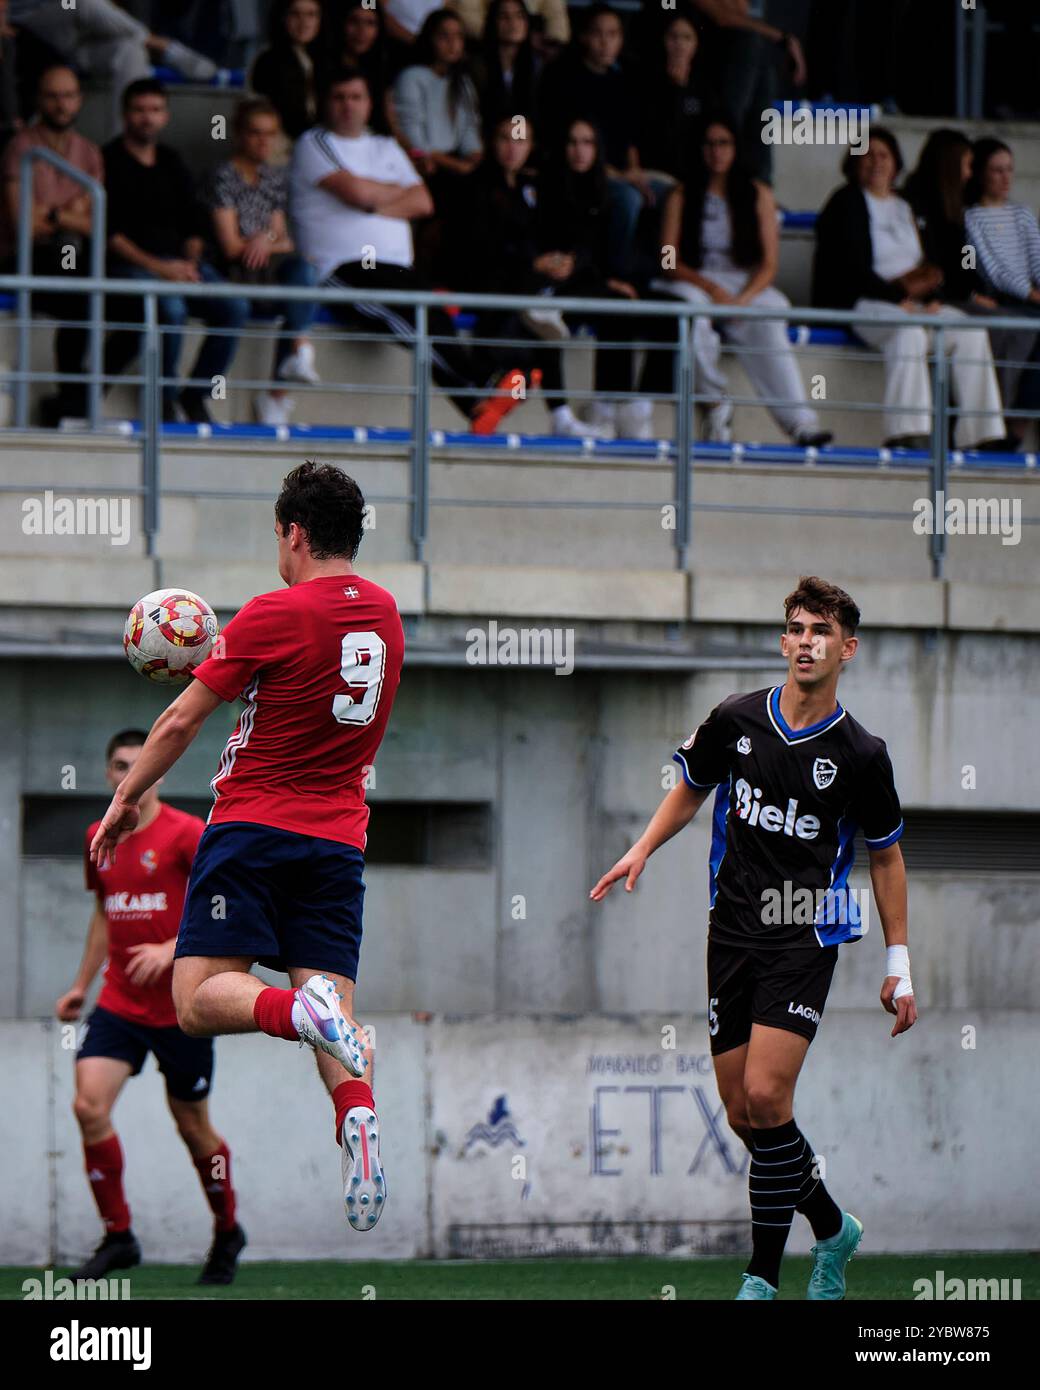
(744, 744)
(824, 772)
(689, 742)
(150, 860)
(351, 592)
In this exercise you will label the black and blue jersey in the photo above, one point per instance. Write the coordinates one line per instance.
(787, 807)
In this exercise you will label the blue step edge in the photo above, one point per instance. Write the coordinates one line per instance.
(224, 77)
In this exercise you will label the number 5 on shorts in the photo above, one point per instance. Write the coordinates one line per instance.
(362, 660)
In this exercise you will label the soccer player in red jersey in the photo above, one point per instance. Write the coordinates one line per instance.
(278, 873)
(134, 926)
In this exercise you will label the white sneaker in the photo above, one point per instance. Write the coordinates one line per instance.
(272, 410)
(602, 416)
(718, 423)
(299, 366)
(635, 420)
(364, 1186)
(321, 1024)
(546, 323)
(566, 424)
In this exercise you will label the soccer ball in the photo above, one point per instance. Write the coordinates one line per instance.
(169, 633)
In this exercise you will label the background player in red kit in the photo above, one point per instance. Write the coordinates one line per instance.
(134, 927)
(317, 666)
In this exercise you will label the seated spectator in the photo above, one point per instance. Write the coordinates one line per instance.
(936, 192)
(573, 233)
(722, 231)
(362, 39)
(590, 83)
(61, 217)
(436, 103)
(869, 259)
(352, 196)
(102, 40)
(292, 70)
(248, 197)
(157, 230)
(670, 99)
(552, 27)
(506, 69)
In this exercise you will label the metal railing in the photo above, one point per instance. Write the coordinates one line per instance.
(682, 450)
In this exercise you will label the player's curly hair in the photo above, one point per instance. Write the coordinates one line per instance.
(825, 600)
(327, 504)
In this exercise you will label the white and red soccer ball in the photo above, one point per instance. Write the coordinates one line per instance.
(169, 633)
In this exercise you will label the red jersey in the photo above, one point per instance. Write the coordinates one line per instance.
(318, 666)
(142, 895)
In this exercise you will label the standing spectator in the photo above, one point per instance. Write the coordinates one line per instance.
(292, 70)
(869, 259)
(553, 23)
(574, 260)
(590, 83)
(157, 230)
(936, 192)
(362, 44)
(102, 40)
(723, 232)
(745, 53)
(507, 67)
(352, 197)
(60, 222)
(248, 197)
(670, 99)
(1007, 245)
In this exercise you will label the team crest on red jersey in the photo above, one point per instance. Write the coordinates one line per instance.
(150, 860)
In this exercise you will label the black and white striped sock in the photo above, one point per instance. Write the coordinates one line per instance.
(781, 1180)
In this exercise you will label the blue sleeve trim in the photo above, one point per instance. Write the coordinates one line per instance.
(885, 840)
(701, 786)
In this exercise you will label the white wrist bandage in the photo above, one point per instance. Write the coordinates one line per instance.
(898, 963)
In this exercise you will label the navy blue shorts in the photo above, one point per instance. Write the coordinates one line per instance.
(186, 1063)
(275, 897)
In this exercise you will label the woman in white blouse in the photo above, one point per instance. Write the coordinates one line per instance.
(869, 259)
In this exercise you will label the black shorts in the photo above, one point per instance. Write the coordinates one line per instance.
(780, 988)
(186, 1063)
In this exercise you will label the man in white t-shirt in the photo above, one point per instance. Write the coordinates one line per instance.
(352, 195)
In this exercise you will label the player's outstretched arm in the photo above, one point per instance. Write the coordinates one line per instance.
(170, 735)
(94, 955)
(888, 880)
(677, 809)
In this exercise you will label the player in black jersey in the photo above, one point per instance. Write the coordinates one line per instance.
(794, 775)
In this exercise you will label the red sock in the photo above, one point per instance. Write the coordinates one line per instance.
(272, 1013)
(348, 1094)
(105, 1171)
(215, 1176)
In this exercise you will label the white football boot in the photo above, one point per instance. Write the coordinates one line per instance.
(320, 1022)
(364, 1186)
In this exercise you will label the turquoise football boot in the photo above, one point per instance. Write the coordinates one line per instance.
(754, 1286)
(830, 1257)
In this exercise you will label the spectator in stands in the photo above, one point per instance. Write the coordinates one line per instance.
(437, 106)
(552, 24)
(10, 120)
(936, 192)
(589, 82)
(102, 40)
(670, 99)
(720, 245)
(60, 221)
(574, 259)
(745, 53)
(292, 70)
(362, 35)
(248, 197)
(157, 230)
(404, 22)
(869, 259)
(507, 68)
(352, 197)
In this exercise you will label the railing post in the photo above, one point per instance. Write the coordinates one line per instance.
(21, 391)
(421, 433)
(683, 421)
(940, 430)
(152, 415)
(98, 238)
